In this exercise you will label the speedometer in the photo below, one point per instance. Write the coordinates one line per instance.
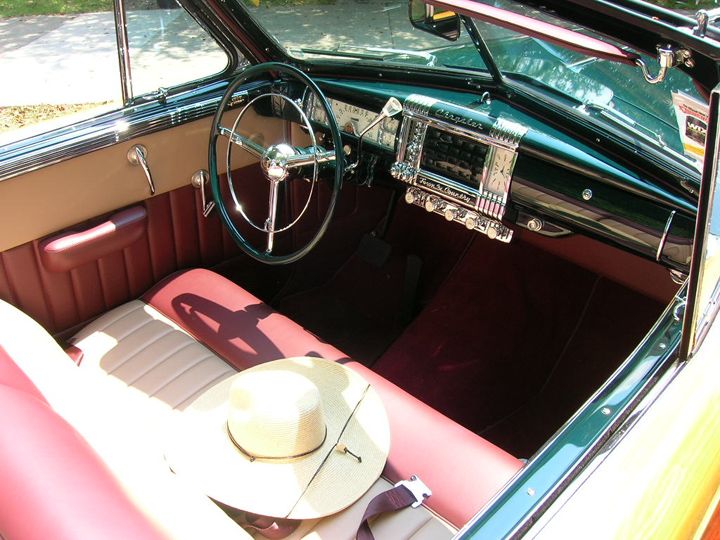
(353, 120)
(350, 118)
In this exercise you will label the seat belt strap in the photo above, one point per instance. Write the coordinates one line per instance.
(405, 493)
(269, 527)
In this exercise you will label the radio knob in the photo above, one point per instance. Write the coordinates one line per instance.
(492, 232)
(409, 197)
(470, 222)
(432, 204)
(451, 213)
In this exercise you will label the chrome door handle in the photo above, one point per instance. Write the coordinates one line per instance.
(137, 156)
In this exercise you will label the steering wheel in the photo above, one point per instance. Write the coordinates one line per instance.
(279, 163)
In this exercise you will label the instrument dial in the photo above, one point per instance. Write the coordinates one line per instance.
(353, 119)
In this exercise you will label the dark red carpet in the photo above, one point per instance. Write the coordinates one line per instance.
(515, 341)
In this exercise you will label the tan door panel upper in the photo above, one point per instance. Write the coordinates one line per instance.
(50, 199)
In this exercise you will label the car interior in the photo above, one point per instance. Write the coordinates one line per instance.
(482, 332)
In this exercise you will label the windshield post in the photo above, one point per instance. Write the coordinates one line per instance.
(483, 49)
(123, 51)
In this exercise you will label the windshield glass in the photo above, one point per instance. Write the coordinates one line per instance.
(611, 92)
(361, 29)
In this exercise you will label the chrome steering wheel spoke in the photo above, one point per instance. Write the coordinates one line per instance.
(252, 148)
(310, 158)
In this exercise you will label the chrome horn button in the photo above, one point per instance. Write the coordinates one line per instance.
(274, 161)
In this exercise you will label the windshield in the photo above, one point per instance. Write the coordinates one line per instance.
(380, 31)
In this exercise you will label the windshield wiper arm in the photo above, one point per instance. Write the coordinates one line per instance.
(366, 53)
(628, 124)
(342, 54)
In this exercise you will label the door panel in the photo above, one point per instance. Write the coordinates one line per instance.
(50, 199)
(80, 193)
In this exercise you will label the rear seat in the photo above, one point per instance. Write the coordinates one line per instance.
(156, 354)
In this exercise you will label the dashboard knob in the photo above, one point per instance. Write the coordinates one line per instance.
(409, 197)
(470, 222)
(535, 224)
(492, 233)
(451, 213)
(432, 204)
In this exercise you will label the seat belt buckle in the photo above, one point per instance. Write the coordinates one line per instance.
(418, 489)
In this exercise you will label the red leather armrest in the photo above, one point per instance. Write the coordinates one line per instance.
(69, 250)
(54, 485)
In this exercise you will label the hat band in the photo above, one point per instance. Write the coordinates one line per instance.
(253, 457)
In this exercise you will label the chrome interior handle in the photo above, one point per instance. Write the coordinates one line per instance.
(198, 180)
(137, 156)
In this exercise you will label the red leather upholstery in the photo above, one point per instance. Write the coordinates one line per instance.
(69, 250)
(54, 485)
(463, 470)
(232, 322)
(177, 237)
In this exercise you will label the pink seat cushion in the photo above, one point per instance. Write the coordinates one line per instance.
(463, 470)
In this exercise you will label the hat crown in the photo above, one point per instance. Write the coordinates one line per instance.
(276, 415)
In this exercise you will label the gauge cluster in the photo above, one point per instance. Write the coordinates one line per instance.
(353, 120)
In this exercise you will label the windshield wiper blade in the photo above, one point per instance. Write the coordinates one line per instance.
(430, 58)
(616, 117)
(336, 52)
(634, 128)
(370, 53)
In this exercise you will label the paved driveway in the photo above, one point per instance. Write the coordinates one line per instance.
(73, 59)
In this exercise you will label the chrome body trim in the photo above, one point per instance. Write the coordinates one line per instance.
(106, 130)
(663, 239)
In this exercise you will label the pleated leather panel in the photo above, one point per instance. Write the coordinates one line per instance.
(178, 236)
(138, 346)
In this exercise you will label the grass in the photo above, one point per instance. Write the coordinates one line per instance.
(23, 8)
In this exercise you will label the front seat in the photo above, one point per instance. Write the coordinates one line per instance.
(156, 354)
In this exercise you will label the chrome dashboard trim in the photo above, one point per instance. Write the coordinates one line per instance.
(486, 196)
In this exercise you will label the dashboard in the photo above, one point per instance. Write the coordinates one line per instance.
(494, 170)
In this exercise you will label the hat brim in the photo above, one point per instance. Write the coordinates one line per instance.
(317, 485)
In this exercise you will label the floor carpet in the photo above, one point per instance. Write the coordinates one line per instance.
(515, 341)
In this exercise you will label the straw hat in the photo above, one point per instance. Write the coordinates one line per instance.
(297, 438)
